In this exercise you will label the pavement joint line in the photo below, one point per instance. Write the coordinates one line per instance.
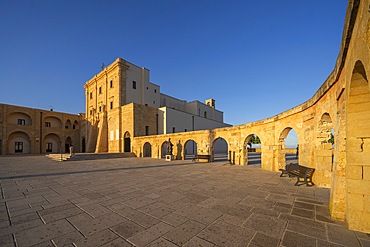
(75, 227)
(8, 213)
(42, 219)
(14, 240)
(52, 241)
(91, 171)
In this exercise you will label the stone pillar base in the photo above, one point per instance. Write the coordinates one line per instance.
(169, 157)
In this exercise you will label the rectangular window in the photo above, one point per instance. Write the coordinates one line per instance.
(47, 124)
(21, 122)
(111, 135)
(111, 84)
(146, 130)
(134, 84)
(18, 147)
(111, 105)
(186, 130)
(90, 95)
(100, 91)
(74, 126)
(49, 147)
(90, 112)
(117, 134)
(173, 129)
(99, 108)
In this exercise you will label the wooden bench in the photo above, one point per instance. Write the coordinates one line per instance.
(202, 157)
(300, 172)
(289, 167)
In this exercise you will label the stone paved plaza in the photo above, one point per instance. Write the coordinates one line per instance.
(151, 202)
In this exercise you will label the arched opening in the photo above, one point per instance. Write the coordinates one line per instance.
(67, 144)
(147, 150)
(220, 151)
(289, 148)
(52, 122)
(190, 149)
(127, 142)
(75, 125)
(358, 146)
(68, 124)
(19, 118)
(52, 143)
(324, 155)
(83, 145)
(19, 143)
(252, 151)
(164, 149)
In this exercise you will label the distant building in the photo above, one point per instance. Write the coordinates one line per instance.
(122, 103)
(33, 131)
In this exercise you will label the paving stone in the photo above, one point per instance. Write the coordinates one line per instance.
(118, 242)
(149, 235)
(24, 218)
(6, 239)
(160, 212)
(223, 234)
(264, 212)
(264, 240)
(61, 214)
(341, 235)
(365, 243)
(296, 239)
(284, 199)
(303, 213)
(139, 202)
(303, 205)
(187, 210)
(152, 207)
(127, 228)
(183, 233)
(209, 203)
(324, 243)
(231, 219)
(174, 219)
(68, 239)
(95, 210)
(99, 223)
(161, 242)
(140, 218)
(98, 239)
(43, 233)
(268, 225)
(198, 242)
(205, 215)
(312, 201)
(314, 230)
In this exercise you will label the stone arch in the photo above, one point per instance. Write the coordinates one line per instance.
(19, 142)
(248, 147)
(52, 143)
(19, 118)
(357, 145)
(83, 144)
(67, 144)
(220, 150)
(127, 142)
(164, 146)
(75, 125)
(147, 150)
(55, 122)
(190, 149)
(324, 150)
(285, 155)
(68, 124)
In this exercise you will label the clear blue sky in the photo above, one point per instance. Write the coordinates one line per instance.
(255, 58)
